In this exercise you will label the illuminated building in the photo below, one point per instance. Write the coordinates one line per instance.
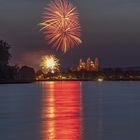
(89, 65)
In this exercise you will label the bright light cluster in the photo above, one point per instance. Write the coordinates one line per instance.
(50, 63)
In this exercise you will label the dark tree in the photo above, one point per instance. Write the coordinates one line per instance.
(4, 59)
(4, 53)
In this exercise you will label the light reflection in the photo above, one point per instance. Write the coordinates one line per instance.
(61, 111)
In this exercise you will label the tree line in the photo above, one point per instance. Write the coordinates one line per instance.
(12, 73)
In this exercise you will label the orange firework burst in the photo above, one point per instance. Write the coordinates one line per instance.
(61, 25)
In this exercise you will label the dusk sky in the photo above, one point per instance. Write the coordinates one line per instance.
(110, 31)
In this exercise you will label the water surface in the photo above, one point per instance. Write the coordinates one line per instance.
(70, 111)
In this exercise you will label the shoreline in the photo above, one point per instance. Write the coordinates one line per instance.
(66, 80)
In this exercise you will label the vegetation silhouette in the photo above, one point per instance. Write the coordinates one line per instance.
(12, 74)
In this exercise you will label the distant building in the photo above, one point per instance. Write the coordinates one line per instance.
(89, 65)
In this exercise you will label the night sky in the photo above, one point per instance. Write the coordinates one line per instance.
(110, 30)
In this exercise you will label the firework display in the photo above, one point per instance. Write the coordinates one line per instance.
(49, 63)
(61, 25)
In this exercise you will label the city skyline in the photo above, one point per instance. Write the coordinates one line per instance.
(110, 31)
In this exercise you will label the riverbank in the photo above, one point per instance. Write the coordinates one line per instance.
(99, 78)
(49, 80)
(15, 82)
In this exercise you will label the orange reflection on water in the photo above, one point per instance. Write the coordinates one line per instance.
(61, 112)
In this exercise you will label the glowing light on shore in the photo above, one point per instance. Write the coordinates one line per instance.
(50, 63)
(61, 25)
(100, 79)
